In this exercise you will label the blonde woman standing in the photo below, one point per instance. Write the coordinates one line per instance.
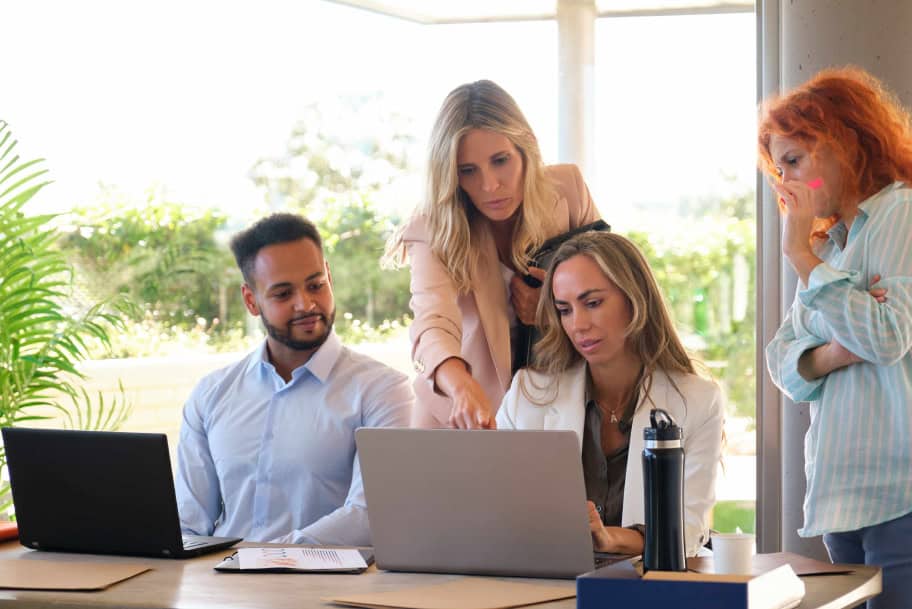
(608, 355)
(491, 203)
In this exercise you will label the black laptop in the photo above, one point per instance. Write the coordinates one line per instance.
(98, 492)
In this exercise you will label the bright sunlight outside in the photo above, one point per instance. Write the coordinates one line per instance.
(166, 126)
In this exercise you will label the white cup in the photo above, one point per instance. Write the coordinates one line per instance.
(732, 552)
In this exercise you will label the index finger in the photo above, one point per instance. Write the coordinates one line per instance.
(783, 189)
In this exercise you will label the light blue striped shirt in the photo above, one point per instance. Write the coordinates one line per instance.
(858, 452)
(267, 460)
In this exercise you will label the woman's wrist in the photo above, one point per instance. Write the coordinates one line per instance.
(817, 362)
(804, 262)
(452, 377)
(620, 540)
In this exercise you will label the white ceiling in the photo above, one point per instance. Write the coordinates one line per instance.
(472, 11)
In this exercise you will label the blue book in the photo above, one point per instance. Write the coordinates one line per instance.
(621, 585)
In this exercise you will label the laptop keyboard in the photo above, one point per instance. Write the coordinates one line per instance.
(191, 541)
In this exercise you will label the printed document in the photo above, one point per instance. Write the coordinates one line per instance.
(305, 559)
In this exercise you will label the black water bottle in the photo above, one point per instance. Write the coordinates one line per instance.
(663, 488)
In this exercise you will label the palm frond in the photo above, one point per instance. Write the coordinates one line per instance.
(42, 341)
(84, 414)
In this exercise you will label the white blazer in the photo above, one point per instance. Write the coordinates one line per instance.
(560, 403)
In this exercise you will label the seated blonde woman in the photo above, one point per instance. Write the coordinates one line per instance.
(608, 355)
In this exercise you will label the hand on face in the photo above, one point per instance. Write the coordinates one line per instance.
(798, 202)
(810, 188)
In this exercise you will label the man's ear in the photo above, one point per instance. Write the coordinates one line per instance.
(328, 274)
(250, 300)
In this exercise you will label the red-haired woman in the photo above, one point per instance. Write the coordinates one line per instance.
(841, 148)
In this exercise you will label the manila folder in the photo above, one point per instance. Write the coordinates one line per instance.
(464, 593)
(64, 575)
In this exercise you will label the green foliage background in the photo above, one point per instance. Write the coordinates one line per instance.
(162, 254)
(43, 336)
(174, 260)
(703, 272)
(336, 161)
(354, 237)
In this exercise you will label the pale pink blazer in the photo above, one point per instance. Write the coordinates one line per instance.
(473, 326)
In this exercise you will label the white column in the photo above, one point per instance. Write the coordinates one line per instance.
(797, 40)
(576, 83)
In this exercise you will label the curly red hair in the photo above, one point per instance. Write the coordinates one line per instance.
(851, 112)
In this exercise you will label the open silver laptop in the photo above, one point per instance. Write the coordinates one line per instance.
(485, 502)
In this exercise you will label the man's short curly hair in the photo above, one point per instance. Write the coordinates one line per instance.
(277, 228)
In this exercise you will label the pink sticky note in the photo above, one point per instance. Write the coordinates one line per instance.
(815, 183)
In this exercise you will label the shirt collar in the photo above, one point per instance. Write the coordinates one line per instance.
(319, 365)
(590, 390)
(322, 361)
(838, 233)
(869, 206)
(866, 209)
(259, 358)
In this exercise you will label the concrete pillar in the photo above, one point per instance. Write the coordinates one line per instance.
(799, 38)
(873, 35)
(576, 83)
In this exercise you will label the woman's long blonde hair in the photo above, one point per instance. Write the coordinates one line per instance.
(449, 211)
(651, 332)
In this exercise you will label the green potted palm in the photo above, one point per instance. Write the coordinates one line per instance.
(43, 337)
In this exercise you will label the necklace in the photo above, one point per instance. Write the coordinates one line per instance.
(623, 404)
(612, 412)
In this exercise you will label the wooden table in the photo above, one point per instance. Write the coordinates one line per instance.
(193, 584)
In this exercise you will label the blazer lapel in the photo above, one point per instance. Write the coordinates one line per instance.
(633, 511)
(568, 411)
(491, 301)
(552, 419)
(561, 215)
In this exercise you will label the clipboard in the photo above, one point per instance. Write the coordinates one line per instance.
(231, 564)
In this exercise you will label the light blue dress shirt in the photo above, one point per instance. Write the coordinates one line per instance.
(858, 451)
(267, 460)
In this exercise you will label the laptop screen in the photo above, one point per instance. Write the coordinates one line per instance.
(486, 502)
(93, 491)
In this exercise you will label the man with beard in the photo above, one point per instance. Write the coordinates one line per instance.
(267, 446)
